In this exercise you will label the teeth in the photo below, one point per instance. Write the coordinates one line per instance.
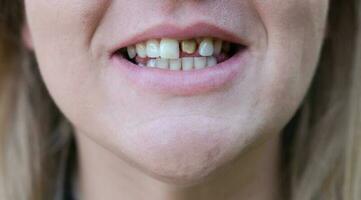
(169, 49)
(153, 48)
(175, 64)
(169, 53)
(206, 47)
(152, 63)
(131, 52)
(211, 61)
(189, 46)
(141, 50)
(162, 63)
(187, 63)
(217, 46)
(200, 62)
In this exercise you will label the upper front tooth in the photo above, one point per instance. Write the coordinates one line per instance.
(131, 52)
(206, 47)
(153, 48)
(217, 46)
(141, 50)
(189, 46)
(169, 49)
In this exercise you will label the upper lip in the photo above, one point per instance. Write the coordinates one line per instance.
(198, 29)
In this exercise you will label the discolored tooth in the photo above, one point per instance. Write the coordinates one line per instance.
(169, 49)
(217, 46)
(206, 47)
(141, 50)
(211, 61)
(189, 46)
(131, 52)
(153, 49)
(187, 63)
(152, 63)
(175, 64)
(162, 63)
(200, 62)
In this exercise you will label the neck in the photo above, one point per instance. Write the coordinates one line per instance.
(254, 175)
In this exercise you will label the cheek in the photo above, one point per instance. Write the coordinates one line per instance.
(295, 32)
(61, 32)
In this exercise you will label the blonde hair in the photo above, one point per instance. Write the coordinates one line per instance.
(321, 145)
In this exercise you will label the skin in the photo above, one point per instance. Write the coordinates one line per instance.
(136, 144)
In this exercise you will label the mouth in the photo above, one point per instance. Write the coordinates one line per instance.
(188, 61)
(185, 55)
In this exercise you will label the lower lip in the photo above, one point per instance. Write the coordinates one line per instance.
(183, 83)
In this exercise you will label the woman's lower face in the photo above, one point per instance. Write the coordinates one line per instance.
(178, 88)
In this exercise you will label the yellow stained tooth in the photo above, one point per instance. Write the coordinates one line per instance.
(189, 46)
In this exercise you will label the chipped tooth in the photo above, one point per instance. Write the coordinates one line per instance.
(162, 63)
(200, 62)
(206, 47)
(131, 52)
(169, 49)
(211, 61)
(175, 64)
(187, 63)
(189, 46)
(141, 50)
(152, 63)
(153, 48)
(217, 46)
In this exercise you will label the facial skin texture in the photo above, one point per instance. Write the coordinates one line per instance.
(145, 143)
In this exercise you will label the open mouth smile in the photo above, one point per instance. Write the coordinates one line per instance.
(185, 55)
(190, 61)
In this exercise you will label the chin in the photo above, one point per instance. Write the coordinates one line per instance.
(182, 150)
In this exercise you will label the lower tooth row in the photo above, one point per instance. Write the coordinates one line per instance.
(185, 63)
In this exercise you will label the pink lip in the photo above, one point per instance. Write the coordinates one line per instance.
(182, 83)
